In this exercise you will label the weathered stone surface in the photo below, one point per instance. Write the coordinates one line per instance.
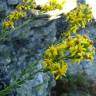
(25, 45)
(12, 2)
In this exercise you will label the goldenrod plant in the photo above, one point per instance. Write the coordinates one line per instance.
(76, 49)
(20, 12)
(79, 18)
(53, 4)
(12, 18)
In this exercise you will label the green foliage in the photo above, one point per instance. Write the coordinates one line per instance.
(20, 12)
(76, 49)
(13, 17)
(78, 18)
(53, 4)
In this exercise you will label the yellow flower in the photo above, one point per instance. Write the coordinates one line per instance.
(89, 56)
(61, 69)
(12, 18)
(79, 17)
(8, 24)
(53, 4)
(26, 1)
(23, 7)
(51, 51)
(70, 42)
(61, 46)
(48, 63)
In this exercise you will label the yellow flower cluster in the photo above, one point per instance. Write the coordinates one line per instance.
(53, 4)
(59, 69)
(19, 13)
(80, 48)
(74, 48)
(53, 61)
(8, 24)
(14, 16)
(79, 17)
(23, 7)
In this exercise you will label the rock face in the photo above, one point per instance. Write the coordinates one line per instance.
(26, 44)
(23, 47)
(12, 2)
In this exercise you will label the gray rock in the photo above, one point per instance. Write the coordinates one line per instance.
(12, 2)
(2, 8)
(24, 48)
